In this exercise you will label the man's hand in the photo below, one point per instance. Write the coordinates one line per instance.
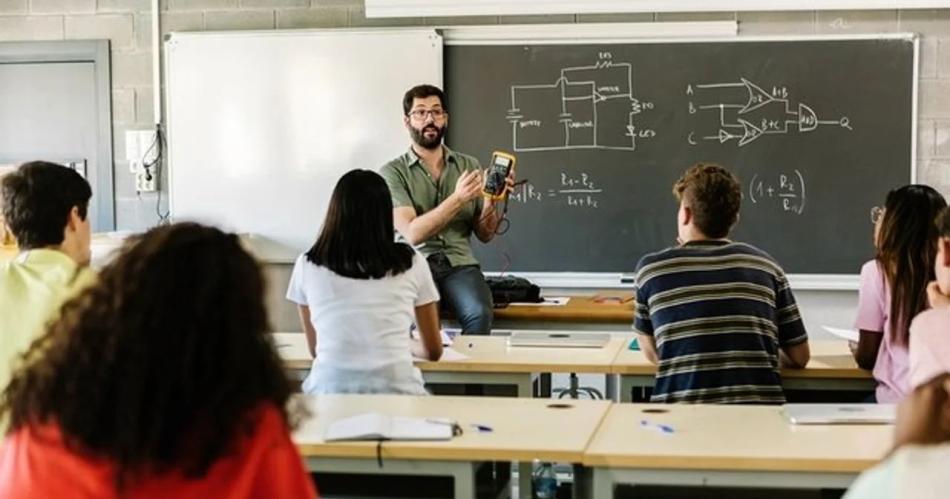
(469, 186)
(936, 297)
(510, 182)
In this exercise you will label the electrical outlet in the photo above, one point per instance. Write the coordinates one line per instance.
(145, 182)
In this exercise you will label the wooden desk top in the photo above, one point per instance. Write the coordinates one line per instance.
(578, 309)
(492, 354)
(732, 438)
(523, 429)
(829, 359)
(485, 354)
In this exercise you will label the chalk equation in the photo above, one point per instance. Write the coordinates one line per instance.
(746, 112)
(787, 191)
(587, 107)
(576, 191)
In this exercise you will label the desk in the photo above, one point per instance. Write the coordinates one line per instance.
(578, 309)
(728, 446)
(831, 368)
(523, 430)
(489, 361)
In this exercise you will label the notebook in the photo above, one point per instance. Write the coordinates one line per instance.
(375, 426)
(804, 414)
(558, 340)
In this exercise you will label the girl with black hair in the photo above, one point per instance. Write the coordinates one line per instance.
(893, 285)
(359, 292)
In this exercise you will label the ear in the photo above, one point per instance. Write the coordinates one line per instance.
(686, 215)
(405, 120)
(73, 221)
(943, 253)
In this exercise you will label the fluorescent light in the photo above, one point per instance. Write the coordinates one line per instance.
(561, 33)
(433, 8)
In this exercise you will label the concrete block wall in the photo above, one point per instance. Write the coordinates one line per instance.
(127, 23)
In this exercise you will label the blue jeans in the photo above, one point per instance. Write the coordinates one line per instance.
(464, 292)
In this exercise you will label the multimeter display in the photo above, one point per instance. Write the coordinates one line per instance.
(496, 174)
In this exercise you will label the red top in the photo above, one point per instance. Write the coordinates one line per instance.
(34, 462)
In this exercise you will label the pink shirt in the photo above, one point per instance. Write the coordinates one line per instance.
(891, 370)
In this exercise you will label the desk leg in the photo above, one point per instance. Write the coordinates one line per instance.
(610, 387)
(602, 484)
(626, 388)
(524, 480)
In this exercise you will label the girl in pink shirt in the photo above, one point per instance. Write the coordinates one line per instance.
(893, 285)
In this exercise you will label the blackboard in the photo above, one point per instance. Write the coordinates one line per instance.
(817, 130)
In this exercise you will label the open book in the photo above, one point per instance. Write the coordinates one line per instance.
(375, 426)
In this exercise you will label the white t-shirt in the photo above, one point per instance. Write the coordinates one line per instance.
(362, 327)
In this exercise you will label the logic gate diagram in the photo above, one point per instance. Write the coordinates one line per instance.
(587, 107)
(746, 113)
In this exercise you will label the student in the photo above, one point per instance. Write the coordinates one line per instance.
(358, 292)
(437, 194)
(893, 285)
(715, 315)
(938, 291)
(45, 206)
(159, 381)
(917, 469)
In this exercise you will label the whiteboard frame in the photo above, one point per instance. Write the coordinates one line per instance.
(571, 35)
(266, 250)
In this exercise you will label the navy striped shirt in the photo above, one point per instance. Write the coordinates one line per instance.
(719, 312)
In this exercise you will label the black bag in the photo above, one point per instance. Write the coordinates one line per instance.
(507, 289)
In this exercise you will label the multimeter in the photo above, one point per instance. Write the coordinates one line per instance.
(501, 166)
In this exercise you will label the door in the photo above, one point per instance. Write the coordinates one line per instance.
(55, 106)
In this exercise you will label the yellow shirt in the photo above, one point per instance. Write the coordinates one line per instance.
(33, 285)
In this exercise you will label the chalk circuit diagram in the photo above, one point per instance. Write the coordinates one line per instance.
(586, 107)
(746, 112)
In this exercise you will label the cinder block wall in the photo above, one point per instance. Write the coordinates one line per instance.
(127, 23)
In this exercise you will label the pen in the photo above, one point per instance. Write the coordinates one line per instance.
(660, 427)
(481, 427)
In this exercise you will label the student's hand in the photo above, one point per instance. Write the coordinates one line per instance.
(923, 417)
(936, 297)
(469, 186)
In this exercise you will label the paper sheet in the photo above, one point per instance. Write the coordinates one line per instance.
(847, 334)
(550, 301)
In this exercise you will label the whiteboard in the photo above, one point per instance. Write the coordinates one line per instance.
(261, 125)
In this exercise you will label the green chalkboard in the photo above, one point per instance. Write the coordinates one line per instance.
(818, 130)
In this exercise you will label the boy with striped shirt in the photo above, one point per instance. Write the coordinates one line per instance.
(716, 316)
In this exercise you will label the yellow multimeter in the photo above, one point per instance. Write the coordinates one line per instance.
(502, 164)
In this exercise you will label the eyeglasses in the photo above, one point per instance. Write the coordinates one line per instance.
(877, 213)
(420, 114)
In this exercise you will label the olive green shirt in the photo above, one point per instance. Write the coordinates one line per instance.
(411, 185)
